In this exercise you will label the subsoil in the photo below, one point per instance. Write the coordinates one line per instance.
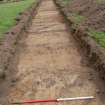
(48, 64)
(92, 10)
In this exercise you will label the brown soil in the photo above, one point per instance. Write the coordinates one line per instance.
(48, 64)
(92, 10)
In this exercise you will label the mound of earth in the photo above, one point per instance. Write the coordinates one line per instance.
(93, 12)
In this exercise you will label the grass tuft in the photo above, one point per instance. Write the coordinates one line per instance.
(78, 18)
(66, 2)
(100, 1)
(98, 36)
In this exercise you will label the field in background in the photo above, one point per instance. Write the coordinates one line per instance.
(9, 11)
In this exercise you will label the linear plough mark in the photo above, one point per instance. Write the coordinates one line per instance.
(42, 25)
(46, 31)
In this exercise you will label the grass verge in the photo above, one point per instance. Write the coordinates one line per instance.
(9, 11)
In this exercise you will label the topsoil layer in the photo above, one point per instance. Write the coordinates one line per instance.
(92, 10)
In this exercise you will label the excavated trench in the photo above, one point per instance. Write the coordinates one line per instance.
(48, 63)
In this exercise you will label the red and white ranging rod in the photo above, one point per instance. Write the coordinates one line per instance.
(54, 100)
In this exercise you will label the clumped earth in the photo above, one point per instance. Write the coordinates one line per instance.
(88, 14)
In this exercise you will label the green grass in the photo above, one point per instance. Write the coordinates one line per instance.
(9, 11)
(101, 1)
(78, 18)
(66, 2)
(98, 36)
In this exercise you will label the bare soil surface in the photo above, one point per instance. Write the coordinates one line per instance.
(48, 63)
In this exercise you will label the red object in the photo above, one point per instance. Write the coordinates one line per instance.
(35, 101)
(54, 100)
